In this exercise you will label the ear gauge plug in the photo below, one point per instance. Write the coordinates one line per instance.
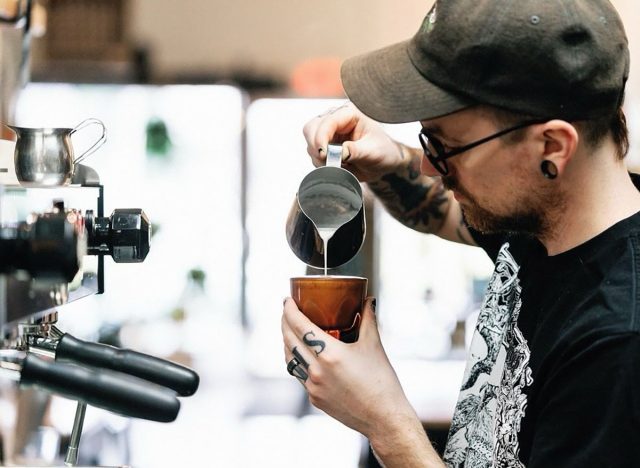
(549, 170)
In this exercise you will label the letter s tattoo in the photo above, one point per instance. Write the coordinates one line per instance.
(313, 343)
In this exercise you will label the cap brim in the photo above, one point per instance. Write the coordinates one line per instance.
(387, 87)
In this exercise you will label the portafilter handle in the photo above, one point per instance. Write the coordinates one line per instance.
(159, 371)
(112, 391)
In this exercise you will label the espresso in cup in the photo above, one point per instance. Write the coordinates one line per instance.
(333, 303)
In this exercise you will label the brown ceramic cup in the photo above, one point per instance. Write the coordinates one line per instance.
(334, 303)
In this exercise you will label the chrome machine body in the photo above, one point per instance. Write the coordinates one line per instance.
(54, 237)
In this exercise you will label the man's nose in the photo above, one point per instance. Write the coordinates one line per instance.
(426, 168)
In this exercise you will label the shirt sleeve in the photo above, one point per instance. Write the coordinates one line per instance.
(587, 414)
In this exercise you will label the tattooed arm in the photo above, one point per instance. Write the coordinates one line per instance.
(392, 171)
(419, 201)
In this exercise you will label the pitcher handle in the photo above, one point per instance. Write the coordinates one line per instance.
(97, 144)
(334, 155)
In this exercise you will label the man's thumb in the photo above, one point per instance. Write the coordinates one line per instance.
(369, 322)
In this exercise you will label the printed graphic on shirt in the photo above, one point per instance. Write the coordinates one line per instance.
(484, 430)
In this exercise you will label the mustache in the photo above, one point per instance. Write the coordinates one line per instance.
(450, 183)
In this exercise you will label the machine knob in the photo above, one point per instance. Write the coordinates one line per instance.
(125, 235)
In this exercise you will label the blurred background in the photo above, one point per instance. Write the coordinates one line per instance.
(204, 103)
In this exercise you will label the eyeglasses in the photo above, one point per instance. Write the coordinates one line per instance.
(437, 155)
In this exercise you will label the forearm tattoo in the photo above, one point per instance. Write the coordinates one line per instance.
(314, 343)
(417, 201)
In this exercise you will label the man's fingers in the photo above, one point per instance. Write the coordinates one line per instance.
(318, 158)
(314, 339)
(297, 359)
(296, 320)
(330, 127)
(298, 371)
(369, 325)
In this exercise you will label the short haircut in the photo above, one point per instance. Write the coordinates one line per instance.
(593, 132)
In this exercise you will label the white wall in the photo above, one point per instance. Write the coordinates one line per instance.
(268, 35)
(274, 35)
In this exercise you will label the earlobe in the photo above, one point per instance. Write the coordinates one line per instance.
(560, 143)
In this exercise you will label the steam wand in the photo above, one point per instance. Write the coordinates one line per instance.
(71, 459)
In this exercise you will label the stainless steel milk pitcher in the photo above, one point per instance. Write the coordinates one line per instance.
(327, 217)
(44, 157)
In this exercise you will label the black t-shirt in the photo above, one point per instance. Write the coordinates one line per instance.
(553, 378)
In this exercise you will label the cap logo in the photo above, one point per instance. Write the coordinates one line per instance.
(430, 19)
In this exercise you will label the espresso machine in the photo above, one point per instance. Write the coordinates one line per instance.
(54, 238)
(48, 259)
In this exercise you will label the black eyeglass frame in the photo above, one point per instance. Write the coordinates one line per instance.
(439, 160)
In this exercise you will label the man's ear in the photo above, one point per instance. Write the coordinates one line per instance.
(560, 141)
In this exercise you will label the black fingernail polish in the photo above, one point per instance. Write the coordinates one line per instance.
(374, 303)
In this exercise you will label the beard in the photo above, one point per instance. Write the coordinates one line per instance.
(530, 216)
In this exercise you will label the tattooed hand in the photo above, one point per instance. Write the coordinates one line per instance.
(354, 383)
(367, 150)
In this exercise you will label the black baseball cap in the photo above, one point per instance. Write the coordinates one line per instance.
(564, 59)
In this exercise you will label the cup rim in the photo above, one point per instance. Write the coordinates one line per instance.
(328, 277)
(47, 130)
